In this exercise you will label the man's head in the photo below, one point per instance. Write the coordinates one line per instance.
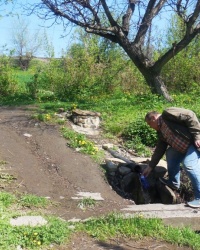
(151, 119)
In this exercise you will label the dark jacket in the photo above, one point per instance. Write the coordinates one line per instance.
(181, 121)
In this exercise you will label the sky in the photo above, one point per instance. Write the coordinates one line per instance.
(54, 33)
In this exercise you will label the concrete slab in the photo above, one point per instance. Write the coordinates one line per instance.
(163, 211)
(178, 215)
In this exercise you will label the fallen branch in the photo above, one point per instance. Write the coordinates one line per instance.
(131, 164)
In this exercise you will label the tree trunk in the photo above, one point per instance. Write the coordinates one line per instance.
(157, 85)
(150, 71)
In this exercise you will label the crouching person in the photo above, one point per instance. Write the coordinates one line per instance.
(179, 138)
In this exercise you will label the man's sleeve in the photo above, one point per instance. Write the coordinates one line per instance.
(158, 153)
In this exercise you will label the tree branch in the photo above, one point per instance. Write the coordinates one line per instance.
(108, 13)
(181, 9)
(63, 14)
(103, 33)
(157, 67)
(126, 18)
(193, 18)
(150, 13)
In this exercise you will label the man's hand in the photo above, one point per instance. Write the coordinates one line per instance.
(147, 171)
(197, 143)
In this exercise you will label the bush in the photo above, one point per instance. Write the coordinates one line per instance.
(140, 130)
(32, 86)
(7, 82)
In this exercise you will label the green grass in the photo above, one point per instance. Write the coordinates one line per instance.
(23, 77)
(30, 200)
(6, 199)
(17, 99)
(82, 144)
(58, 232)
(118, 111)
(114, 225)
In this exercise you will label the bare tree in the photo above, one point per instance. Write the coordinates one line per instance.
(127, 23)
(26, 43)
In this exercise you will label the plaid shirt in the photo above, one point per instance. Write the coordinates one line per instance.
(174, 140)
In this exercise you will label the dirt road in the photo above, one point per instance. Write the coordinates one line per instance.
(38, 156)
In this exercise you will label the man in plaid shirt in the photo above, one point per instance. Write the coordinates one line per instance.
(179, 137)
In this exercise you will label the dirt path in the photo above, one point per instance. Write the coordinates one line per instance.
(44, 165)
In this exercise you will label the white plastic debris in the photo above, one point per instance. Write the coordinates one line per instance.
(27, 135)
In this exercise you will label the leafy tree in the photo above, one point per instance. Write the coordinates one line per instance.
(128, 23)
(183, 72)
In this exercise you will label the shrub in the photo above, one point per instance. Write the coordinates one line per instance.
(139, 129)
(32, 86)
(7, 82)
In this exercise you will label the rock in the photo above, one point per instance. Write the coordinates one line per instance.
(166, 194)
(107, 145)
(28, 221)
(61, 110)
(85, 131)
(85, 118)
(85, 113)
(110, 166)
(124, 177)
(27, 135)
(124, 170)
(131, 184)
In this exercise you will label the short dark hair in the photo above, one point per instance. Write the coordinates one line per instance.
(150, 114)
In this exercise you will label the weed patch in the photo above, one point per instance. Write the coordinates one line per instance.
(30, 200)
(81, 143)
(6, 179)
(86, 203)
